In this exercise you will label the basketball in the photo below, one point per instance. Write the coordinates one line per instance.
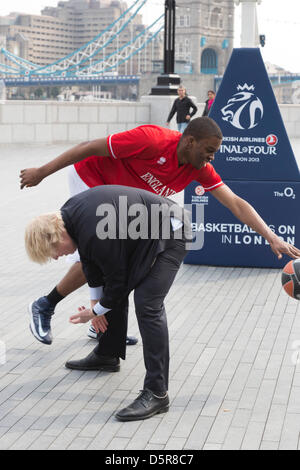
(290, 278)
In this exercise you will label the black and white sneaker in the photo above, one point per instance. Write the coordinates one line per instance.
(40, 312)
(130, 340)
(92, 333)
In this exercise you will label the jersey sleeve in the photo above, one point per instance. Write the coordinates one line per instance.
(141, 142)
(209, 178)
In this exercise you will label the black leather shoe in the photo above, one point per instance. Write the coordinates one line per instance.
(95, 362)
(143, 407)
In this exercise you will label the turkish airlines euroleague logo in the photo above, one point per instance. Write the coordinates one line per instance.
(199, 190)
(271, 140)
(244, 110)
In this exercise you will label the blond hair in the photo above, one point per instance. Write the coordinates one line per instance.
(41, 235)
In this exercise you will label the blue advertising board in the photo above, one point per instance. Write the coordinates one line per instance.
(229, 242)
(255, 144)
(256, 161)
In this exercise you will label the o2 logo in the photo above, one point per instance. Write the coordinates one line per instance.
(244, 110)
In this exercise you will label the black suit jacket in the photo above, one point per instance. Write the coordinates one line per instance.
(118, 262)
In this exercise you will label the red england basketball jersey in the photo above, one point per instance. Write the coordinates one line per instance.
(146, 158)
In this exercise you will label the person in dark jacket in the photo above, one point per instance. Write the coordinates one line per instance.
(209, 102)
(182, 106)
(122, 252)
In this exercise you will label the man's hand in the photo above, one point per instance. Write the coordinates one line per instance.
(279, 247)
(30, 177)
(84, 315)
(187, 117)
(100, 323)
(248, 215)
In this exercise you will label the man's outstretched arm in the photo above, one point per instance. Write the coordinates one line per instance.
(248, 215)
(33, 176)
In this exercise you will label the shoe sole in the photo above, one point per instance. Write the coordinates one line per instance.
(135, 418)
(102, 368)
(37, 337)
(32, 327)
(92, 337)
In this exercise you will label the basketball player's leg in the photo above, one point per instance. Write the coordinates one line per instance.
(72, 281)
(42, 309)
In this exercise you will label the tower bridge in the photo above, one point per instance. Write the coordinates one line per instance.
(91, 63)
(69, 81)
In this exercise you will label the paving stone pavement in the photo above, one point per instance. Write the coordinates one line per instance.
(234, 377)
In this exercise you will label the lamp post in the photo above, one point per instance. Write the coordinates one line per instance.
(168, 82)
(169, 42)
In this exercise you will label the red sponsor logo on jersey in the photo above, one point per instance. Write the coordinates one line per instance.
(272, 140)
(199, 190)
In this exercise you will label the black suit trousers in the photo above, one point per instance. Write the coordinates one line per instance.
(149, 298)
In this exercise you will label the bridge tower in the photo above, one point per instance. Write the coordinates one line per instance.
(249, 34)
(204, 42)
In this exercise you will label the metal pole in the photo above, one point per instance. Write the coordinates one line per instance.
(169, 44)
(168, 82)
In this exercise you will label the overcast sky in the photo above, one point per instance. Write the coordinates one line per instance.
(278, 20)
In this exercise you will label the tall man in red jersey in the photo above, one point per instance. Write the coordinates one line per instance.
(148, 157)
